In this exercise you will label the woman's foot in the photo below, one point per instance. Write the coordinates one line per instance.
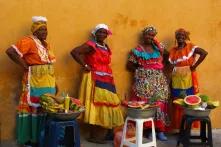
(161, 136)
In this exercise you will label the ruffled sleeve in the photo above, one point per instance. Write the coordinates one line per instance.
(182, 56)
(132, 57)
(23, 46)
(91, 43)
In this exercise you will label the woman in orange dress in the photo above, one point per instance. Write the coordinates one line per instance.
(184, 80)
(34, 55)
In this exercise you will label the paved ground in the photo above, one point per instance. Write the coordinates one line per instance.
(170, 143)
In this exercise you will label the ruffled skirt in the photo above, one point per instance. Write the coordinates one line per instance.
(102, 104)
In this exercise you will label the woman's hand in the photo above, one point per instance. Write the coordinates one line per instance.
(24, 65)
(87, 68)
(56, 88)
(192, 68)
(131, 66)
(16, 58)
(79, 53)
(202, 54)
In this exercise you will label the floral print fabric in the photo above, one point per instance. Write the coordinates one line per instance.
(150, 83)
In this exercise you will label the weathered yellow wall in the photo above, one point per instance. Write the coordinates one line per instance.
(70, 22)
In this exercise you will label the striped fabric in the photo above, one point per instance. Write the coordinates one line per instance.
(101, 103)
(41, 80)
(107, 86)
(30, 119)
(182, 81)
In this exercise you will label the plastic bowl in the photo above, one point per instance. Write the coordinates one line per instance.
(197, 113)
(141, 113)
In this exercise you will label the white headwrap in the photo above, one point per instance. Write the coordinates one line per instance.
(39, 18)
(38, 21)
(101, 26)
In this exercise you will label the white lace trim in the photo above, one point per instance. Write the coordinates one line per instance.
(184, 57)
(102, 73)
(42, 51)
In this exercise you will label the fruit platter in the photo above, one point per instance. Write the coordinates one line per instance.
(196, 105)
(140, 109)
(57, 107)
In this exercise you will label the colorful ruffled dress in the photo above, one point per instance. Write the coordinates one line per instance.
(37, 80)
(98, 92)
(183, 79)
(150, 82)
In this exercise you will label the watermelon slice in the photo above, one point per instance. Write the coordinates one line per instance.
(76, 101)
(192, 100)
(135, 104)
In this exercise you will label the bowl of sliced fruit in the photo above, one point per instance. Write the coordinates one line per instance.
(55, 109)
(138, 109)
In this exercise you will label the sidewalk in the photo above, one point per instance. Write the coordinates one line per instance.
(170, 143)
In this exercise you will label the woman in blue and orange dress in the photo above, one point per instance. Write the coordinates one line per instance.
(34, 55)
(97, 91)
(150, 84)
(184, 80)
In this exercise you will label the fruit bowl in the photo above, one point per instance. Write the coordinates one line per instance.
(197, 113)
(71, 115)
(141, 113)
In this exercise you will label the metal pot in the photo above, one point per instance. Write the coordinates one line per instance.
(197, 113)
(141, 113)
(65, 116)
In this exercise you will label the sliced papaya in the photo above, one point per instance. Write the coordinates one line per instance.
(212, 104)
(179, 102)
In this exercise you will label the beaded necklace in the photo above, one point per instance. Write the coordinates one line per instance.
(101, 46)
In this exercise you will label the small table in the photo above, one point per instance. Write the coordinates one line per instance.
(138, 139)
(205, 131)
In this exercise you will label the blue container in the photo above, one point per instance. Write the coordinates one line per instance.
(60, 133)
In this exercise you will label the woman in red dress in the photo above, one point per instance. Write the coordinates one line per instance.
(97, 91)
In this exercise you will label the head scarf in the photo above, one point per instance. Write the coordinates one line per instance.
(101, 26)
(150, 29)
(38, 21)
(186, 33)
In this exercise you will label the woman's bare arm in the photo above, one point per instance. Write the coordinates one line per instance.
(16, 57)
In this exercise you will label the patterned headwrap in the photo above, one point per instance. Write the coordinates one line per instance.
(38, 21)
(149, 29)
(101, 26)
(186, 33)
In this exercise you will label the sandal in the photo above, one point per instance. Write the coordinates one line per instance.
(161, 136)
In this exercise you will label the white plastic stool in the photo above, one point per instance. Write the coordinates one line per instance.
(139, 134)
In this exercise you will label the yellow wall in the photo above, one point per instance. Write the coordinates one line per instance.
(70, 22)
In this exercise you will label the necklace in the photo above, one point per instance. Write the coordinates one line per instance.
(102, 46)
